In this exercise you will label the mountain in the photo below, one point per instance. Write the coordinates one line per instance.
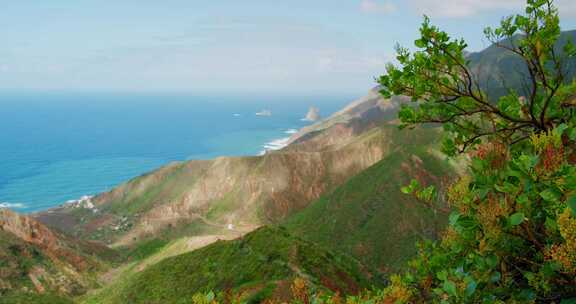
(230, 196)
(172, 212)
(37, 260)
(368, 217)
(359, 116)
(261, 265)
(498, 69)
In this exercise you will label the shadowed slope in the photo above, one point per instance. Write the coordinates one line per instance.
(368, 216)
(262, 265)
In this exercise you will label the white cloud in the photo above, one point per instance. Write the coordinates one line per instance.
(567, 8)
(461, 8)
(356, 62)
(466, 8)
(373, 6)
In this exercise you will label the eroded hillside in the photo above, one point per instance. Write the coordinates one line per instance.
(36, 259)
(230, 196)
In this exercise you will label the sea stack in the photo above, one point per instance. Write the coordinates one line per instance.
(313, 114)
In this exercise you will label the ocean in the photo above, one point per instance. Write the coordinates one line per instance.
(60, 146)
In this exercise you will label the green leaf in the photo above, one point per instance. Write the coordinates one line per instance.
(560, 129)
(406, 190)
(551, 224)
(572, 134)
(551, 195)
(491, 261)
(442, 275)
(420, 43)
(527, 295)
(495, 277)
(454, 216)
(572, 204)
(210, 296)
(410, 188)
(516, 218)
(523, 199)
(471, 288)
(449, 287)
(507, 188)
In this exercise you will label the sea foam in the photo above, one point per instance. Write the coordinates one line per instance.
(274, 145)
(12, 205)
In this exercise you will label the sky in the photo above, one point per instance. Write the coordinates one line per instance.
(225, 46)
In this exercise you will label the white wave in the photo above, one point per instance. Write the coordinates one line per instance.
(12, 205)
(291, 131)
(84, 202)
(264, 113)
(236, 115)
(274, 145)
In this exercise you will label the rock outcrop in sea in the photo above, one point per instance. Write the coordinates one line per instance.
(312, 115)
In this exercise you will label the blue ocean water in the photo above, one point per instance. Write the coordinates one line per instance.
(57, 146)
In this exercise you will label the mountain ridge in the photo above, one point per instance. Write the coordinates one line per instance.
(208, 193)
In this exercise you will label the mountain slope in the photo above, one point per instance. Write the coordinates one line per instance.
(262, 265)
(234, 195)
(498, 69)
(37, 260)
(368, 216)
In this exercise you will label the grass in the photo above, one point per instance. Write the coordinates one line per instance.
(256, 263)
(19, 260)
(368, 216)
(29, 298)
(142, 250)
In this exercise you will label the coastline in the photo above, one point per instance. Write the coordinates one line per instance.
(85, 201)
(279, 143)
(278, 137)
(7, 205)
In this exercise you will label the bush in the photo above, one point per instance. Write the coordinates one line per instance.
(512, 235)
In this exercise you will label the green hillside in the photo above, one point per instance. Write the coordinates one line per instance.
(44, 265)
(498, 69)
(263, 264)
(28, 298)
(17, 261)
(369, 217)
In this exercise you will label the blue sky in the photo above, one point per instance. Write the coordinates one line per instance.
(296, 46)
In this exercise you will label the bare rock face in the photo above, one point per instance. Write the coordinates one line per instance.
(51, 262)
(27, 229)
